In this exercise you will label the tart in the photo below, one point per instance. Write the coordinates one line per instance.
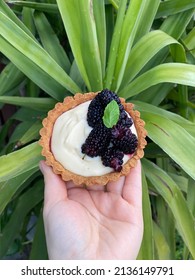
(79, 145)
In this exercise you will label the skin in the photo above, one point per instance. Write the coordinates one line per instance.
(91, 223)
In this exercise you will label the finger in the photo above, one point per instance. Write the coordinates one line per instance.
(116, 187)
(132, 191)
(55, 188)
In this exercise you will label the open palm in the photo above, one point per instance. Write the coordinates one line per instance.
(92, 223)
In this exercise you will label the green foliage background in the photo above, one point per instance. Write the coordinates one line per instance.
(142, 49)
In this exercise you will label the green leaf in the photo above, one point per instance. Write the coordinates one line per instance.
(147, 247)
(10, 78)
(32, 133)
(153, 151)
(161, 245)
(100, 20)
(146, 21)
(10, 187)
(4, 8)
(184, 123)
(150, 94)
(79, 22)
(27, 115)
(111, 114)
(165, 219)
(173, 139)
(115, 3)
(191, 195)
(189, 41)
(32, 90)
(171, 193)
(181, 181)
(175, 25)
(37, 103)
(76, 76)
(27, 19)
(33, 71)
(167, 8)
(4, 131)
(128, 32)
(178, 73)
(113, 52)
(33, 51)
(25, 132)
(25, 203)
(145, 49)
(39, 248)
(44, 7)
(110, 21)
(20, 161)
(50, 41)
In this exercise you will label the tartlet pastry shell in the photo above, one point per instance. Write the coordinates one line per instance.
(46, 133)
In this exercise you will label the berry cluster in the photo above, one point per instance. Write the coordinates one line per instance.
(97, 141)
(109, 143)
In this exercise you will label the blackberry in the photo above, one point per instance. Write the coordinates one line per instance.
(123, 139)
(95, 112)
(118, 132)
(124, 119)
(106, 96)
(98, 104)
(97, 141)
(129, 144)
(113, 158)
(109, 143)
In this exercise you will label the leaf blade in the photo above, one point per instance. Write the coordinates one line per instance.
(147, 247)
(33, 51)
(178, 73)
(168, 189)
(50, 41)
(111, 114)
(164, 133)
(37, 103)
(10, 187)
(145, 49)
(31, 70)
(80, 26)
(26, 158)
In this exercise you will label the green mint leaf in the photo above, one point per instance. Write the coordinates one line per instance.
(111, 114)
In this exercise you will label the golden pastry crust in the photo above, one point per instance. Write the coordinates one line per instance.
(69, 103)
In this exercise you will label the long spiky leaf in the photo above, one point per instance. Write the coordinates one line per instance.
(33, 51)
(178, 73)
(175, 200)
(80, 26)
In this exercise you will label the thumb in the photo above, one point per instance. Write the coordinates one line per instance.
(132, 190)
(55, 187)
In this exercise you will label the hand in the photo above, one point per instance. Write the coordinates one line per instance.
(83, 223)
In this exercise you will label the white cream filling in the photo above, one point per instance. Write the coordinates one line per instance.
(69, 133)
